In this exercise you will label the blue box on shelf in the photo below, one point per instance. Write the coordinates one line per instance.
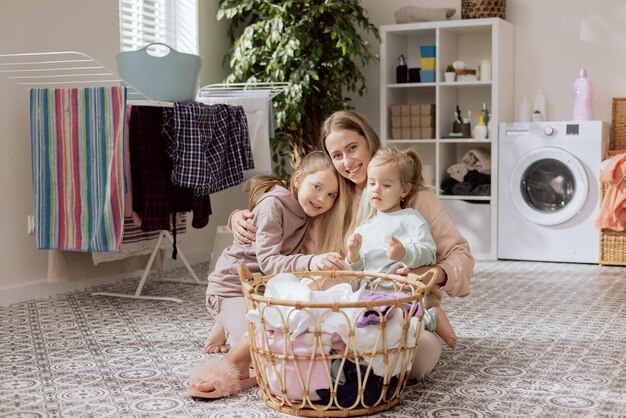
(428, 51)
(427, 76)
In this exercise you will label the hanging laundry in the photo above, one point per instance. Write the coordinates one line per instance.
(77, 167)
(155, 198)
(209, 146)
(257, 105)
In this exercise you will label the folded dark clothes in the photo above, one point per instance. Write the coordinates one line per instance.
(447, 184)
(481, 190)
(461, 189)
(474, 178)
(348, 392)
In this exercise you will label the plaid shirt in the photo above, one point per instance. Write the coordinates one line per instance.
(209, 145)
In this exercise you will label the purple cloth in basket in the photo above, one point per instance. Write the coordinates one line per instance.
(372, 317)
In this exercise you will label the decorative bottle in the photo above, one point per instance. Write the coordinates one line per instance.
(480, 130)
(583, 94)
(402, 70)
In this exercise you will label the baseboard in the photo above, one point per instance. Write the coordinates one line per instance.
(44, 289)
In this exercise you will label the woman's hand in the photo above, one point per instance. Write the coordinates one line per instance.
(326, 261)
(442, 277)
(243, 231)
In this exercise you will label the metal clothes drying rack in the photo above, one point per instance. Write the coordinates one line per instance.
(235, 89)
(64, 69)
(60, 69)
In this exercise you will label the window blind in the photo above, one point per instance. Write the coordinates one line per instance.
(172, 22)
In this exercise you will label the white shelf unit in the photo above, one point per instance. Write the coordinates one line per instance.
(470, 41)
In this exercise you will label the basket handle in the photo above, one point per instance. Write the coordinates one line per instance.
(428, 285)
(246, 277)
(169, 49)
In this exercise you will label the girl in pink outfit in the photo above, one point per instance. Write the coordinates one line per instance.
(282, 214)
(350, 141)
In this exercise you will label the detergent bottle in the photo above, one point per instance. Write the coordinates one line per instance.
(583, 94)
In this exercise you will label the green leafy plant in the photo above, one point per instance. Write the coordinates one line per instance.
(450, 69)
(317, 46)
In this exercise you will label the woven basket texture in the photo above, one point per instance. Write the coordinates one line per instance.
(613, 243)
(618, 128)
(476, 9)
(286, 374)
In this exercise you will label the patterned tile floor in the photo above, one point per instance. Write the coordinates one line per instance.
(535, 340)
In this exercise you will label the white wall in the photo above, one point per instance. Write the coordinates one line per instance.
(91, 27)
(553, 39)
(35, 26)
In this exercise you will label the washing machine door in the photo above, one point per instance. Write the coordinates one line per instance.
(548, 186)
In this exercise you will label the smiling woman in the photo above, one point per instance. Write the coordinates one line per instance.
(349, 139)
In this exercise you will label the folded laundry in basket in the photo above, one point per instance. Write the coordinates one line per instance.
(348, 391)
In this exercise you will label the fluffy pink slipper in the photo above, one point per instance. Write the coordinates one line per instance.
(217, 378)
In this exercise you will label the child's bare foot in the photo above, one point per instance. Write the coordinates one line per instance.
(216, 341)
(444, 328)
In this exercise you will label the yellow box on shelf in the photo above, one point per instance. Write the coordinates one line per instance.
(428, 64)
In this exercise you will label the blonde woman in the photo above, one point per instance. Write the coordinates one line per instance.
(349, 139)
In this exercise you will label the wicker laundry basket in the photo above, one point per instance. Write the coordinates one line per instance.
(349, 385)
(476, 9)
(618, 129)
(613, 243)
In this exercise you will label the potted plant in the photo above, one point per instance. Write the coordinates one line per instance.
(318, 47)
(450, 74)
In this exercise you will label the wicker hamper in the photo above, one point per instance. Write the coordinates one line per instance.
(613, 243)
(618, 128)
(285, 371)
(475, 9)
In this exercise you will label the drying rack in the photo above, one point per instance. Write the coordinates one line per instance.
(273, 88)
(64, 69)
(61, 69)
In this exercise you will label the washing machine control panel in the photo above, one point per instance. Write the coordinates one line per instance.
(548, 130)
(571, 129)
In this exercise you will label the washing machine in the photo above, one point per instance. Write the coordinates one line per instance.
(549, 191)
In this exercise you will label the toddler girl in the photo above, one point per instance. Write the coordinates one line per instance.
(391, 234)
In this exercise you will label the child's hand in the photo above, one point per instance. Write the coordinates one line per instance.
(354, 245)
(395, 249)
(326, 261)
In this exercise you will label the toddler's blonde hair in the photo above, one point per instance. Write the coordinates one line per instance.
(409, 166)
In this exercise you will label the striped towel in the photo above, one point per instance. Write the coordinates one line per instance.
(77, 160)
